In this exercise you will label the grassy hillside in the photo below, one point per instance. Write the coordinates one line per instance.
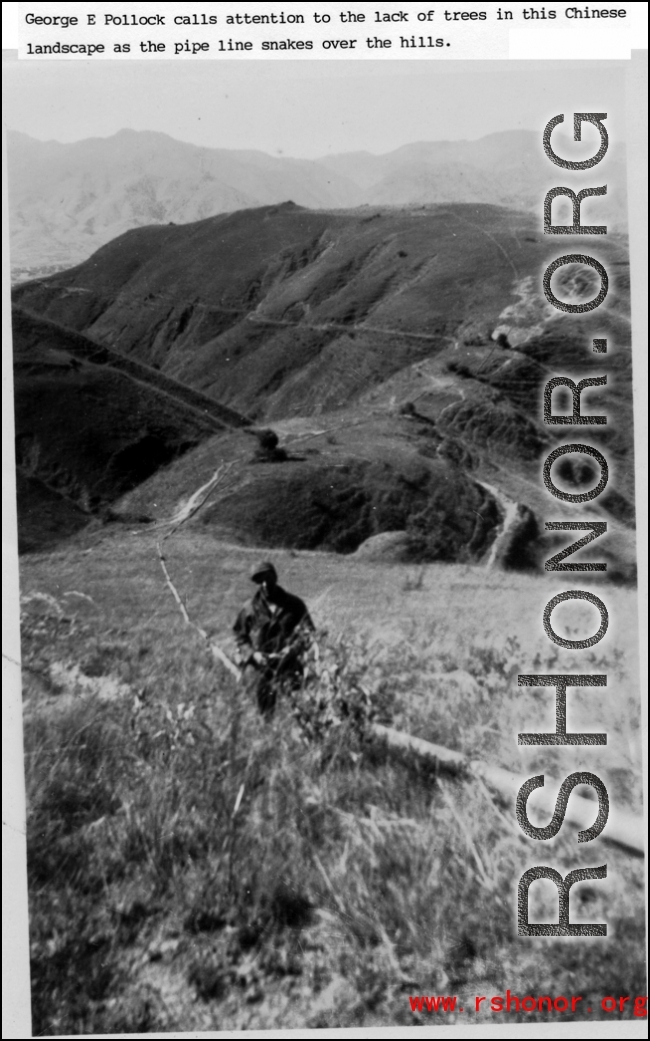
(350, 475)
(91, 425)
(337, 487)
(193, 867)
(284, 310)
(413, 341)
(47, 516)
(39, 341)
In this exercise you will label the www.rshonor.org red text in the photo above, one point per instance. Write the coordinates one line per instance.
(545, 1003)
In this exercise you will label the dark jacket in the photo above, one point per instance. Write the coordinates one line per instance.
(268, 621)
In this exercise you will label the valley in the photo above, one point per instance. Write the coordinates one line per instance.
(398, 357)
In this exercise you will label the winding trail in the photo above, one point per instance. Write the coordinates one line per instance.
(197, 499)
(510, 518)
(323, 327)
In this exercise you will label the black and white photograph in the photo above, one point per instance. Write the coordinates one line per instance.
(325, 476)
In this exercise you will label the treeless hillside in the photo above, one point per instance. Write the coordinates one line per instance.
(367, 340)
(90, 426)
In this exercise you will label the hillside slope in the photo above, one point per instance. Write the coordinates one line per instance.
(370, 342)
(90, 426)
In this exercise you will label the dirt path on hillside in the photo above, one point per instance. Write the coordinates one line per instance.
(347, 328)
(258, 319)
(510, 514)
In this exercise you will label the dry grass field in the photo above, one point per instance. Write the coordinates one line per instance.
(195, 867)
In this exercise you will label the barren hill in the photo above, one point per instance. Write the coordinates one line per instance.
(90, 425)
(66, 200)
(400, 356)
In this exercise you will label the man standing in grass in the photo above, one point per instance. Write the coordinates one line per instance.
(272, 635)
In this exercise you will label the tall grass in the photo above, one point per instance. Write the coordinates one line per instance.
(194, 866)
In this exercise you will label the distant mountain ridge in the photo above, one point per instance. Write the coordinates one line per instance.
(67, 200)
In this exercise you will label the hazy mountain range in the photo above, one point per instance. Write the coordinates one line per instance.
(66, 200)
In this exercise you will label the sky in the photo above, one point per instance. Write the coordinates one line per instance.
(304, 109)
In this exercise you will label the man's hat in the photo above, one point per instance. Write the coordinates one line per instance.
(263, 572)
